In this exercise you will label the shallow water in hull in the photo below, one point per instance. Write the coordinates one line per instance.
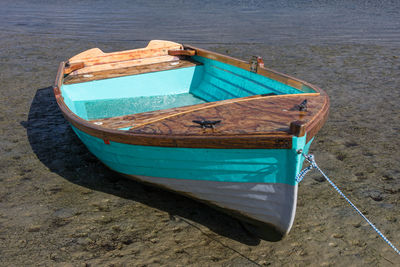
(117, 107)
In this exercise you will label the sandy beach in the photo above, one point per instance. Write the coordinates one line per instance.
(59, 206)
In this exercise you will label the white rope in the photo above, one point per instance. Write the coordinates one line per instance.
(310, 158)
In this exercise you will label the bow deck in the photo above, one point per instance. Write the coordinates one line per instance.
(258, 115)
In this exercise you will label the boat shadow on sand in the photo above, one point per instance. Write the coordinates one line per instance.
(59, 149)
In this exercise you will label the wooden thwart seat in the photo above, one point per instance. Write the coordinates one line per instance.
(123, 69)
(95, 56)
(94, 64)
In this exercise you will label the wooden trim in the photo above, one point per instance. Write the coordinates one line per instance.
(180, 52)
(219, 57)
(313, 126)
(59, 78)
(297, 128)
(73, 67)
(125, 64)
(272, 74)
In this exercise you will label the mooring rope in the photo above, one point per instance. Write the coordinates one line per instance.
(313, 165)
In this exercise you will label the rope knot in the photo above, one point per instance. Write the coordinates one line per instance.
(311, 159)
(313, 165)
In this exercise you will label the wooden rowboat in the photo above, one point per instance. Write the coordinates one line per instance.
(221, 130)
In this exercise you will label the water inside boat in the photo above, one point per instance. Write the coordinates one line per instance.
(99, 109)
(183, 83)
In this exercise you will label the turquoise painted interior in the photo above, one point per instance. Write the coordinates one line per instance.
(211, 81)
(223, 165)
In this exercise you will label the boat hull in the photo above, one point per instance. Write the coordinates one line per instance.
(239, 151)
(256, 185)
(268, 208)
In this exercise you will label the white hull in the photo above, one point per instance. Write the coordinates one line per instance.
(271, 204)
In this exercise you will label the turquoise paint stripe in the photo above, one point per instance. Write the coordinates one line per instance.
(227, 167)
(224, 165)
(166, 153)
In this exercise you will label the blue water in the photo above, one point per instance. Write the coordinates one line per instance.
(207, 22)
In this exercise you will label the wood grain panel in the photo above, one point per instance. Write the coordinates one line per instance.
(124, 64)
(253, 117)
(119, 72)
(182, 52)
(95, 56)
(142, 119)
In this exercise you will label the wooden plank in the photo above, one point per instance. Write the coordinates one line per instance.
(180, 52)
(219, 57)
(95, 56)
(91, 53)
(258, 116)
(59, 77)
(220, 103)
(73, 67)
(124, 64)
(142, 119)
(314, 125)
(251, 116)
(297, 128)
(118, 72)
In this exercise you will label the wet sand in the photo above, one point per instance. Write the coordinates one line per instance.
(60, 205)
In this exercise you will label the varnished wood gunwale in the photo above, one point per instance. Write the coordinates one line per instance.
(280, 77)
(271, 140)
(58, 82)
(313, 126)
